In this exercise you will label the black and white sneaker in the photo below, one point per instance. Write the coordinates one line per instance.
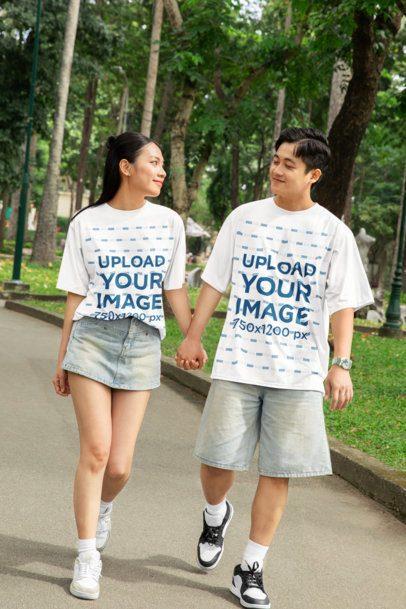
(211, 542)
(249, 587)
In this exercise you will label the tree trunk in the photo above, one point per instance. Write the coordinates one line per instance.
(45, 238)
(198, 172)
(174, 14)
(33, 154)
(280, 105)
(15, 197)
(167, 93)
(152, 68)
(5, 200)
(90, 98)
(259, 176)
(235, 171)
(339, 86)
(122, 116)
(95, 174)
(15, 203)
(178, 161)
(346, 217)
(351, 122)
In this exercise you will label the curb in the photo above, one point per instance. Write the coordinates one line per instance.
(382, 483)
(9, 295)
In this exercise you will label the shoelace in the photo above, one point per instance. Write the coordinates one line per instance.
(211, 534)
(85, 569)
(254, 577)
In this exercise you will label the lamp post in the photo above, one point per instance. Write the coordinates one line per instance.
(16, 283)
(393, 324)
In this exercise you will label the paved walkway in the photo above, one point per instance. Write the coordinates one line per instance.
(335, 548)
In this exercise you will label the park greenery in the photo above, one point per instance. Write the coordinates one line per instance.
(231, 73)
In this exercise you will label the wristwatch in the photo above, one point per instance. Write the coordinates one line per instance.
(344, 362)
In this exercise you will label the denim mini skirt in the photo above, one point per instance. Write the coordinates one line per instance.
(121, 353)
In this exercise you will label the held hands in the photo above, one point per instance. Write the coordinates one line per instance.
(191, 355)
(60, 381)
(338, 387)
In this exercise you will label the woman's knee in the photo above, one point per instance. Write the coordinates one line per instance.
(118, 471)
(95, 456)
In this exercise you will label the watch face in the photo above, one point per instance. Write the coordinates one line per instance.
(346, 363)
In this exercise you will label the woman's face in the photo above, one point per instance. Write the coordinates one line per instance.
(147, 173)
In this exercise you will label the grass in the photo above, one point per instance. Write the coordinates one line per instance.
(42, 280)
(375, 420)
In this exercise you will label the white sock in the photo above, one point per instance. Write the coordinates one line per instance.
(253, 552)
(86, 545)
(104, 505)
(214, 514)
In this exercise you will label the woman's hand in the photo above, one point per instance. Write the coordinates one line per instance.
(191, 355)
(338, 387)
(61, 382)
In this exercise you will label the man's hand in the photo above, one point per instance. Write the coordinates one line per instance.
(338, 387)
(191, 355)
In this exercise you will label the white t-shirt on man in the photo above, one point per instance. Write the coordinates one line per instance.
(289, 271)
(120, 260)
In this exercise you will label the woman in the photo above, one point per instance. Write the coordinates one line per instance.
(121, 251)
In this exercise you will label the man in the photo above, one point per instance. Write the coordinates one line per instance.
(292, 265)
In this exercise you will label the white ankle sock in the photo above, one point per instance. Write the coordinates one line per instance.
(214, 514)
(104, 505)
(86, 545)
(253, 552)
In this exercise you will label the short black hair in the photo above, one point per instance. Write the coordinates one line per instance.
(311, 146)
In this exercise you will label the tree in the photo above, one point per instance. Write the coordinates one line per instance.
(45, 238)
(370, 42)
(152, 68)
(90, 101)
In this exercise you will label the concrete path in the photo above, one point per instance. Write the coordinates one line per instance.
(335, 548)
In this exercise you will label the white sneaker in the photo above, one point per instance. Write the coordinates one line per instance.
(103, 530)
(86, 574)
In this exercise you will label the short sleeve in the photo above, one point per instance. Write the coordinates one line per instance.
(175, 275)
(219, 266)
(73, 275)
(347, 283)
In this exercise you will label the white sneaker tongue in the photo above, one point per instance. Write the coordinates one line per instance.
(213, 521)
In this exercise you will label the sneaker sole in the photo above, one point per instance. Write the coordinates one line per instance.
(91, 596)
(204, 568)
(236, 593)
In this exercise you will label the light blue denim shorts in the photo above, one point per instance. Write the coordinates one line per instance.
(288, 424)
(121, 353)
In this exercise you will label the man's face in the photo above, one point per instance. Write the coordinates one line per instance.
(288, 173)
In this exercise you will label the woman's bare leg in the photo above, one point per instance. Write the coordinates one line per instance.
(92, 402)
(128, 409)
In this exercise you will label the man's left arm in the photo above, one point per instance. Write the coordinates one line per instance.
(338, 384)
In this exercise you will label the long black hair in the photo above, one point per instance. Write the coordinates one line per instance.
(127, 146)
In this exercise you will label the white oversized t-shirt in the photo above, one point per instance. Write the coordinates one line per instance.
(289, 271)
(120, 260)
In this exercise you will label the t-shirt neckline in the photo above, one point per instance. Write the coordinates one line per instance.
(299, 211)
(127, 211)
